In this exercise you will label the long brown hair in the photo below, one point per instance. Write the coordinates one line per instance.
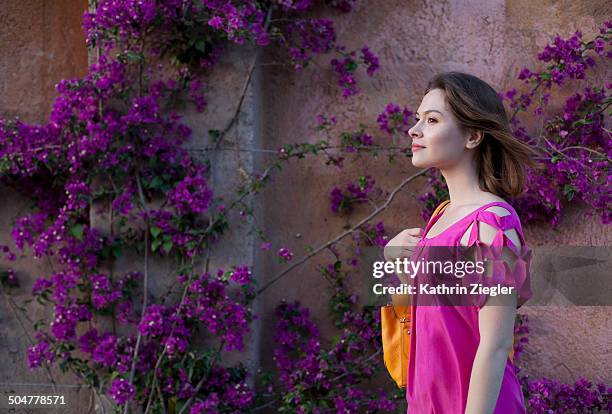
(500, 156)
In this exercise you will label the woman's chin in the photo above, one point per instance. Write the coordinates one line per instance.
(418, 162)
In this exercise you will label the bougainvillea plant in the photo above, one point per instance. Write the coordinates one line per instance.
(113, 146)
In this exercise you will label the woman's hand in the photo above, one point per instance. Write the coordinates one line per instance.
(399, 247)
(403, 244)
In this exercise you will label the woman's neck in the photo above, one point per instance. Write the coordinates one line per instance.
(462, 182)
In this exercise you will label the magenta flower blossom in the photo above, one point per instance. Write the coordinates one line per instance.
(394, 119)
(285, 254)
(345, 70)
(192, 194)
(121, 390)
(371, 60)
(324, 123)
(208, 406)
(103, 294)
(152, 323)
(343, 201)
(106, 350)
(242, 275)
(40, 353)
(8, 278)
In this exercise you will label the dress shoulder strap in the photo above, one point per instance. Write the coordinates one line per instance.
(440, 208)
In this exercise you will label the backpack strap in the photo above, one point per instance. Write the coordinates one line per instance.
(440, 208)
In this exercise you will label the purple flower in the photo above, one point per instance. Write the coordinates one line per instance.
(64, 323)
(394, 119)
(103, 294)
(525, 74)
(240, 395)
(285, 254)
(89, 340)
(309, 36)
(8, 278)
(106, 350)
(152, 323)
(371, 60)
(325, 123)
(174, 344)
(208, 406)
(216, 22)
(121, 390)
(345, 70)
(40, 353)
(242, 275)
(343, 201)
(123, 203)
(192, 194)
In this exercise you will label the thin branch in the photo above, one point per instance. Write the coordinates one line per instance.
(271, 151)
(269, 403)
(586, 149)
(374, 355)
(203, 380)
(345, 233)
(145, 287)
(234, 118)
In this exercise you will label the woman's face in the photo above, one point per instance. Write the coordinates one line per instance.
(437, 140)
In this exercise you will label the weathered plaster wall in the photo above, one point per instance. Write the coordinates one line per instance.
(492, 39)
(41, 42)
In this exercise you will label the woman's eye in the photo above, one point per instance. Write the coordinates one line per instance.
(428, 119)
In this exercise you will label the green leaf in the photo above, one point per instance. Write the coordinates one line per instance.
(5, 164)
(38, 324)
(351, 66)
(569, 190)
(156, 244)
(134, 56)
(167, 246)
(77, 231)
(156, 182)
(155, 231)
(200, 45)
(582, 122)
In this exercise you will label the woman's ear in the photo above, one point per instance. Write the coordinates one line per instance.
(474, 139)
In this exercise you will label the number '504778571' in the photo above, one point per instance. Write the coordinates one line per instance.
(36, 400)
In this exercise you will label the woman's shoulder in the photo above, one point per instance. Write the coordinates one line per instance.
(499, 214)
(494, 204)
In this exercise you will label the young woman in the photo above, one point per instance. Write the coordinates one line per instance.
(459, 355)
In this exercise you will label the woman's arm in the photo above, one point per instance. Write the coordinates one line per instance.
(496, 325)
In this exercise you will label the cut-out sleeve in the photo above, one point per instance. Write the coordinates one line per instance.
(501, 271)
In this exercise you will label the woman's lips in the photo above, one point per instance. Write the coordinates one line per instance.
(416, 147)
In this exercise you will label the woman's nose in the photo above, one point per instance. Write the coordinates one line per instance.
(414, 132)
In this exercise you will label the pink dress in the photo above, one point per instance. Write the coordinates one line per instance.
(444, 339)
